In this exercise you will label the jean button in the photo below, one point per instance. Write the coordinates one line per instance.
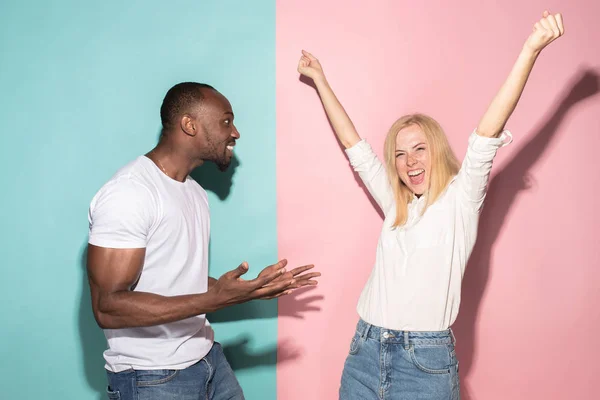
(387, 335)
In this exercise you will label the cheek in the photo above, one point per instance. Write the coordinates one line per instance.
(399, 166)
(401, 172)
(427, 159)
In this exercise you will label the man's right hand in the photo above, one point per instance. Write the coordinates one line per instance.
(231, 289)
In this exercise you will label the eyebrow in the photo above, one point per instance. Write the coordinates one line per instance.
(416, 145)
(228, 113)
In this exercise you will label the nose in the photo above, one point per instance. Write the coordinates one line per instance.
(235, 134)
(410, 161)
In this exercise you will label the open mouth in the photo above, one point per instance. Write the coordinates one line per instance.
(230, 147)
(416, 176)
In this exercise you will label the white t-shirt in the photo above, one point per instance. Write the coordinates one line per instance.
(141, 207)
(416, 281)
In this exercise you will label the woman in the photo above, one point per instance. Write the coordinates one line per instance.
(403, 347)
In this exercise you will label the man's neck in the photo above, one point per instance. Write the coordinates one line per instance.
(174, 163)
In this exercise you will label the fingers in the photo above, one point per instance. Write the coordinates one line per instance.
(269, 282)
(274, 290)
(269, 274)
(546, 24)
(308, 277)
(559, 21)
(273, 268)
(297, 282)
(299, 270)
(277, 295)
(553, 23)
(302, 281)
(276, 267)
(239, 271)
(308, 55)
(304, 62)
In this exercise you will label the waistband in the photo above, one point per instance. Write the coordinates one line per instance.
(406, 338)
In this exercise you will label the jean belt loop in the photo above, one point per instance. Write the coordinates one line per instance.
(406, 344)
(453, 337)
(365, 330)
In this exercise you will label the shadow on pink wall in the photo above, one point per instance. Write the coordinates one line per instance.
(503, 189)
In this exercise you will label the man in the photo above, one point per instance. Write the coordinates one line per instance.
(148, 260)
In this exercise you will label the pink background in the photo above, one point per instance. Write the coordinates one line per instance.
(529, 318)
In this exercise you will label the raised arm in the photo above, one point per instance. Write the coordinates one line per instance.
(113, 274)
(361, 155)
(545, 31)
(310, 67)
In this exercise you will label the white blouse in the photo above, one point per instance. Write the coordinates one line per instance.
(416, 281)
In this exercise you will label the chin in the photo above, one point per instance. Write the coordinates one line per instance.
(223, 166)
(418, 191)
(223, 163)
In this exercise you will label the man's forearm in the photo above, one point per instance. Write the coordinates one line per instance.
(127, 309)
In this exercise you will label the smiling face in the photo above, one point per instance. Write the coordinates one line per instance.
(413, 159)
(219, 134)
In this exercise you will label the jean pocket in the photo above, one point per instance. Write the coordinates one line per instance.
(155, 377)
(432, 359)
(113, 394)
(356, 343)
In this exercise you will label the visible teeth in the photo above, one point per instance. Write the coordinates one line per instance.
(230, 148)
(415, 173)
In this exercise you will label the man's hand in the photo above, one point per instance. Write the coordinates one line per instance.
(545, 31)
(301, 279)
(231, 289)
(211, 282)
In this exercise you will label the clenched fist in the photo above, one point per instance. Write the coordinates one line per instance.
(310, 67)
(545, 31)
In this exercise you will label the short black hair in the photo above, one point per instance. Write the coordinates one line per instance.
(178, 100)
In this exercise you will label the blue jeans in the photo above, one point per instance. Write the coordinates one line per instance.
(210, 378)
(400, 365)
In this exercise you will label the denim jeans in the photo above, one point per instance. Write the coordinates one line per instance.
(400, 365)
(210, 378)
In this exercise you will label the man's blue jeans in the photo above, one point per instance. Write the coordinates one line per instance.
(210, 378)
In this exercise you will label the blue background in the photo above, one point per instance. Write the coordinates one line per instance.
(80, 89)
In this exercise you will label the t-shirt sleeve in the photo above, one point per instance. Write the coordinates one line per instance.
(121, 215)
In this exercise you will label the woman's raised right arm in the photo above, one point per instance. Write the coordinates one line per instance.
(310, 67)
(361, 155)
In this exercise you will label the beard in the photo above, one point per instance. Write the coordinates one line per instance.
(218, 153)
(222, 164)
(221, 158)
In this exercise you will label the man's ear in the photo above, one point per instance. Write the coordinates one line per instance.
(189, 125)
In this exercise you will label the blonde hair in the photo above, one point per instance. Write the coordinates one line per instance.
(444, 164)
